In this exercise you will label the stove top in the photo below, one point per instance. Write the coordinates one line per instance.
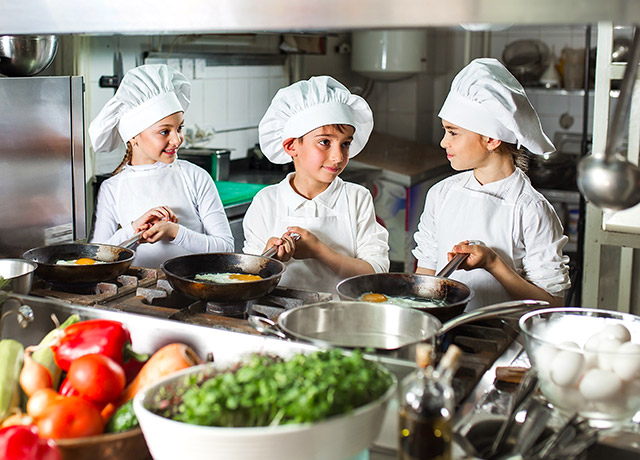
(145, 291)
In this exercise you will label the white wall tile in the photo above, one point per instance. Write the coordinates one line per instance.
(195, 112)
(275, 83)
(258, 98)
(216, 72)
(215, 102)
(551, 104)
(239, 71)
(276, 71)
(238, 103)
(402, 95)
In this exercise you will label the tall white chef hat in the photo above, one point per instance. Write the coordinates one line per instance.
(146, 95)
(486, 99)
(310, 104)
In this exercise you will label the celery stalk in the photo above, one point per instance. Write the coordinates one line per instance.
(11, 359)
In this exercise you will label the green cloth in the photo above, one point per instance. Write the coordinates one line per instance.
(237, 192)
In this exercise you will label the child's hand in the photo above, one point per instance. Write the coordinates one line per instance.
(286, 247)
(307, 245)
(153, 215)
(480, 256)
(161, 230)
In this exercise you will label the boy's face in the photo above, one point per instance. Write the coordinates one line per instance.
(322, 154)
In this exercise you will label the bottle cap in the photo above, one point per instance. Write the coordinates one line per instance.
(424, 354)
(451, 359)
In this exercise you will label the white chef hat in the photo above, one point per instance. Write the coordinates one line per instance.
(310, 104)
(146, 95)
(486, 99)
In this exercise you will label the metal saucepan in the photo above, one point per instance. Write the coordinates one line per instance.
(384, 327)
(19, 274)
(117, 260)
(455, 294)
(181, 272)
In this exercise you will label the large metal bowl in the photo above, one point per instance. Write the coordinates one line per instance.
(19, 273)
(26, 55)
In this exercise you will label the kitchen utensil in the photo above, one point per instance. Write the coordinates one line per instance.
(181, 272)
(525, 389)
(526, 60)
(581, 365)
(607, 179)
(19, 274)
(338, 437)
(132, 242)
(26, 55)
(384, 327)
(273, 249)
(117, 260)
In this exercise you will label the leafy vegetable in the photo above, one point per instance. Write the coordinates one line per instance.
(270, 391)
(124, 419)
(3, 283)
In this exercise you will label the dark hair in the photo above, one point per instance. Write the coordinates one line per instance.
(517, 154)
(339, 126)
(126, 160)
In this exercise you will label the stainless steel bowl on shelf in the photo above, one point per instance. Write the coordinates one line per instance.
(26, 55)
(18, 273)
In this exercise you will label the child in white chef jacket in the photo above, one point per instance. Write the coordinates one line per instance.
(487, 117)
(318, 124)
(173, 202)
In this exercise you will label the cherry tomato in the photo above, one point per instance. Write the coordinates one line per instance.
(97, 378)
(41, 400)
(66, 389)
(70, 417)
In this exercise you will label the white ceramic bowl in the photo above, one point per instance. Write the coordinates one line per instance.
(336, 438)
(585, 361)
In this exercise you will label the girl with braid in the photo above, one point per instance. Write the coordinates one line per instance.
(174, 203)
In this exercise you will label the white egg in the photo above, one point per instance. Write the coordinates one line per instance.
(569, 399)
(616, 331)
(226, 278)
(567, 367)
(591, 349)
(606, 351)
(543, 359)
(632, 395)
(626, 362)
(600, 385)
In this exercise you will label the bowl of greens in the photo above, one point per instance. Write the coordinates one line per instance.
(309, 406)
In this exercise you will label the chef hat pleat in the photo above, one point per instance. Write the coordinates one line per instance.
(310, 104)
(146, 95)
(486, 99)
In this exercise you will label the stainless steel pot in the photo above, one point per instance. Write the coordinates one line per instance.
(19, 273)
(384, 327)
(26, 55)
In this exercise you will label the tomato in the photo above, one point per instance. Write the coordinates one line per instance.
(41, 400)
(97, 378)
(70, 417)
(66, 389)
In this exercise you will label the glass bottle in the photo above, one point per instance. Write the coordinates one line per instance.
(427, 405)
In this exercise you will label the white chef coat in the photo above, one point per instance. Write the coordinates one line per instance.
(343, 217)
(182, 186)
(509, 216)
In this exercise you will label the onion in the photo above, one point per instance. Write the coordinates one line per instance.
(34, 376)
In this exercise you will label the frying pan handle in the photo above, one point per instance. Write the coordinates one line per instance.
(266, 326)
(455, 262)
(131, 242)
(273, 249)
(493, 311)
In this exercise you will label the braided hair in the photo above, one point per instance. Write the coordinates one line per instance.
(520, 159)
(125, 161)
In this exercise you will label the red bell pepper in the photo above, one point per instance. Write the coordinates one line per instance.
(21, 442)
(96, 336)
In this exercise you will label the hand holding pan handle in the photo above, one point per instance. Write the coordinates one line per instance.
(273, 249)
(131, 242)
(455, 262)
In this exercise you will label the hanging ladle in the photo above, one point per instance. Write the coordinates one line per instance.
(609, 180)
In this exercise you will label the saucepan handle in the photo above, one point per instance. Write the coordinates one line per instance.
(455, 262)
(493, 311)
(273, 249)
(131, 242)
(266, 326)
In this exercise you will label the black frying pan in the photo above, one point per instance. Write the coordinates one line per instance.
(181, 272)
(455, 294)
(117, 261)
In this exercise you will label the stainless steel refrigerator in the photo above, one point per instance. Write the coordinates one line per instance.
(42, 178)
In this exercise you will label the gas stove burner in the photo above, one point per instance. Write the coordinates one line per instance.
(83, 288)
(230, 309)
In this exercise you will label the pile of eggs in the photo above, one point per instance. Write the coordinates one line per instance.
(598, 379)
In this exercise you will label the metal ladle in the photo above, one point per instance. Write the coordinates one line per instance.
(609, 180)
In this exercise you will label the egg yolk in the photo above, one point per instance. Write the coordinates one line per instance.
(85, 261)
(244, 277)
(374, 297)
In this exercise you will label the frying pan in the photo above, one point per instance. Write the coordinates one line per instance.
(181, 272)
(382, 326)
(117, 260)
(455, 294)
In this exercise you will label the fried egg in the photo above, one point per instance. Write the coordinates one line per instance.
(80, 261)
(227, 278)
(402, 301)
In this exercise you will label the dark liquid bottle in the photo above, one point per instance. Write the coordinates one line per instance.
(426, 407)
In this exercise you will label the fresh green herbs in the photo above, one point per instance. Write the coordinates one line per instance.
(4, 284)
(267, 390)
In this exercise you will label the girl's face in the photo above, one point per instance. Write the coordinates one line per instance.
(465, 149)
(159, 142)
(322, 154)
